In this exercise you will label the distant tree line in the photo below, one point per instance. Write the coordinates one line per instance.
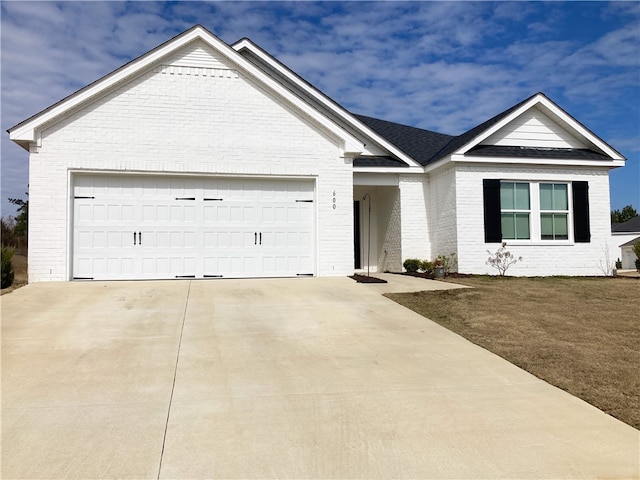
(14, 230)
(621, 216)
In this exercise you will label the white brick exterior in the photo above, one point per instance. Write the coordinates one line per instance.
(197, 107)
(539, 258)
(443, 220)
(414, 223)
(168, 120)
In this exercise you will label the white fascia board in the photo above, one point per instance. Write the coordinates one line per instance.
(563, 116)
(322, 98)
(555, 162)
(579, 128)
(393, 170)
(26, 131)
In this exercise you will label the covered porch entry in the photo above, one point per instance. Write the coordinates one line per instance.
(377, 223)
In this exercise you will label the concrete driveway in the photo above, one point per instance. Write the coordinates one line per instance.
(299, 378)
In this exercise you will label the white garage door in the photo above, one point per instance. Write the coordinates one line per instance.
(154, 227)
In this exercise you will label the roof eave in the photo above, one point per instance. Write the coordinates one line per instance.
(572, 162)
(542, 99)
(328, 102)
(26, 130)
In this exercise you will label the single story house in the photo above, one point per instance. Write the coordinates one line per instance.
(201, 159)
(625, 235)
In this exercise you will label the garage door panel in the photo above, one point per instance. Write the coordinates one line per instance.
(163, 227)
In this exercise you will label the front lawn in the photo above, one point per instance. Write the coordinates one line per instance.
(579, 334)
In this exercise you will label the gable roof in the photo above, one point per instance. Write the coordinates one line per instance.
(630, 226)
(631, 242)
(26, 132)
(428, 147)
(378, 142)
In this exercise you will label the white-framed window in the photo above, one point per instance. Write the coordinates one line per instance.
(535, 211)
(515, 210)
(554, 211)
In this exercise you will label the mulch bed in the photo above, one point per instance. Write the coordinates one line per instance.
(430, 276)
(366, 279)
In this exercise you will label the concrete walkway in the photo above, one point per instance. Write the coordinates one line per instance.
(298, 378)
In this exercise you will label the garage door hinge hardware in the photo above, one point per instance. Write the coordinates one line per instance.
(304, 201)
(185, 276)
(304, 274)
(212, 276)
(212, 199)
(185, 198)
(84, 197)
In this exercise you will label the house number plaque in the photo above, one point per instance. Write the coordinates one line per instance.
(334, 199)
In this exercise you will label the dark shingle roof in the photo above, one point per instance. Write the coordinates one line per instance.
(632, 225)
(372, 161)
(419, 144)
(533, 152)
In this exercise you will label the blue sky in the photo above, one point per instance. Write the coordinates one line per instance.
(443, 66)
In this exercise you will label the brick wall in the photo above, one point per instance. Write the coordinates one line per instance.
(414, 225)
(182, 119)
(442, 212)
(539, 258)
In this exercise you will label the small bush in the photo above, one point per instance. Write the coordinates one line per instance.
(638, 264)
(426, 266)
(448, 262)
(411, 265)
(6, 267)
(502, 259)
(619, 264)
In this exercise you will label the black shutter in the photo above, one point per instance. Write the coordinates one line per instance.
(581, 229)
(492, 217)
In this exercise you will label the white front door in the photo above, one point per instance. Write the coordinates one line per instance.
(143, 227)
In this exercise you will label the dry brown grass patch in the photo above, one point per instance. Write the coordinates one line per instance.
(579, 334)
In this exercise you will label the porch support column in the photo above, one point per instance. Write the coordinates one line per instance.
(414, 225)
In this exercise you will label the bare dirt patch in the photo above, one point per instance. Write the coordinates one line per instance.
(579, 334)
(20, 272)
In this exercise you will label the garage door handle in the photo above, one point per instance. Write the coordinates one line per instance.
(139, 238)
(260, 238)
(134, 238)
(255, 238)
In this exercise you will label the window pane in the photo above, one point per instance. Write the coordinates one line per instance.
(508, 226)
(560, 197)
(522, 226)
(546, 196)
(560, 230)
(522, 196)
(546, 226)
(507, 201)
(554, 226)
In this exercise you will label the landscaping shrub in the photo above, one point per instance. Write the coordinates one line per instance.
(6, 267)
(427, 266)
(412, 265)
